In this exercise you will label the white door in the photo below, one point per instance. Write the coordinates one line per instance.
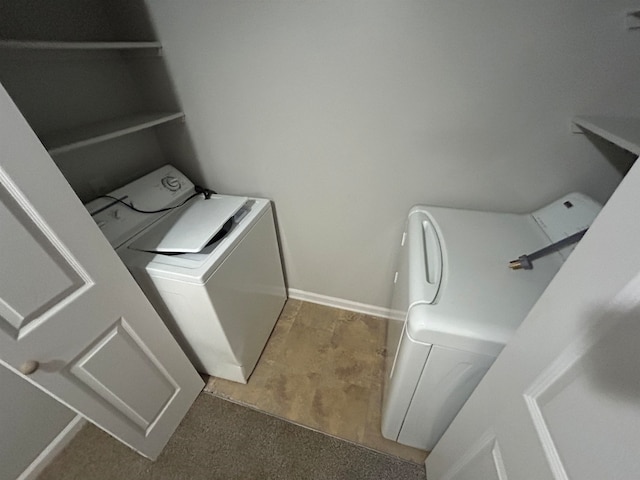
(562, 401)
(69, 304)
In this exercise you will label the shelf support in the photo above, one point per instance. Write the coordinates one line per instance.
(577, 129)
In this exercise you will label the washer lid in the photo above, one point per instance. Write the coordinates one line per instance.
(189, 229)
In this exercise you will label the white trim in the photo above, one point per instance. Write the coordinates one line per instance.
(53, 449)
(477, 449)
(350, 305)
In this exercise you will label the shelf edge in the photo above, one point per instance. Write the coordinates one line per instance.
(113, 134)
(590, 124)
(44, 45)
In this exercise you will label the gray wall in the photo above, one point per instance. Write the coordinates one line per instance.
(346, 113)
(29, 421)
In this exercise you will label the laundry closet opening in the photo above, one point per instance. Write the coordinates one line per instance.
(349, 113)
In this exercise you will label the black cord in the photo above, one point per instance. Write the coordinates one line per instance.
(205, 191)
(149, 211)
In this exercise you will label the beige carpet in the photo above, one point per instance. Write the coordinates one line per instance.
(221, 440)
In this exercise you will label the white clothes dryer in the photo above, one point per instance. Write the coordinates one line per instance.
(211, 267)
(457, 303)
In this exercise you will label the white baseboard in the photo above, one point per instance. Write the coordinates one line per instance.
(352, 306)
(53, 449)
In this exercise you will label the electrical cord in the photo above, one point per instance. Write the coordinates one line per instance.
(524, 261)
(198, 191)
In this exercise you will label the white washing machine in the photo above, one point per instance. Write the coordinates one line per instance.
(211, 267)
(457, 303)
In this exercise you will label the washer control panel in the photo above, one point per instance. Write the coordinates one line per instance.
(162, 188)
(564, 217)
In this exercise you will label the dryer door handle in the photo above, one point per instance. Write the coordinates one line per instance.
(425, 274)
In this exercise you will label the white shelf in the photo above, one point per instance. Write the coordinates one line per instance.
(622, 131)
(37, 45)
(61, 142)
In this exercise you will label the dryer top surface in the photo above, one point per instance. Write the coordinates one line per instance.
(480, 302)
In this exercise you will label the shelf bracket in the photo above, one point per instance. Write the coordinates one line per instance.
(577, 129)
(632, 20)
(623, 132)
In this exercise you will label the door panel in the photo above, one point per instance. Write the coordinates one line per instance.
(118, 387)
(71, 311)
(484, 462)
(26, 247)
(594, 384)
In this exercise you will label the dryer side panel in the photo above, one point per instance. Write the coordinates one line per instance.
(400, 387)
(399, 310)
(447, 381)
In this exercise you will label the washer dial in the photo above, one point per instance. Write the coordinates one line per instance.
(171, 183)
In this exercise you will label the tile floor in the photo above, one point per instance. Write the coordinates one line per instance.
(322, 368)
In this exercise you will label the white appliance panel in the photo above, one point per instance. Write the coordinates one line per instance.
(249, 287)
(449, 377)
(224, 323)
(442, 345)
(220, 302)
(410, 358)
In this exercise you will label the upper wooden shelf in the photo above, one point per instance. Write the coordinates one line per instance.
(621, 131)
(38, 45)
(68, 140)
